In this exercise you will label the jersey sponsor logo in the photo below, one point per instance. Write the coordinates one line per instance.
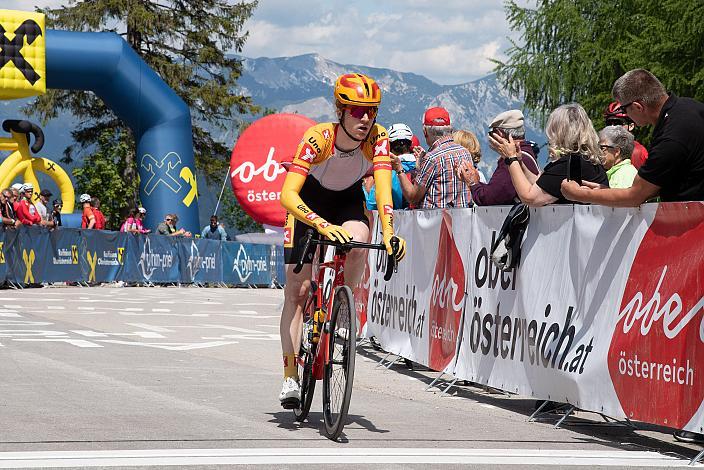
(374, 138)
(388, 210)
(307, 154)
(326, 134)
(287, 235)
(324, 224)
(312, 216)
(382, 148)
(314, 144)
(303, 208)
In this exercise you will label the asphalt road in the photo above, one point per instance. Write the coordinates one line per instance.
(189, 377)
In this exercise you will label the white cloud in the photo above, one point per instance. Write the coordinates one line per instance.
(449, 44)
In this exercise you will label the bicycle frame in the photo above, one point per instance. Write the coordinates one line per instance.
(323, 309)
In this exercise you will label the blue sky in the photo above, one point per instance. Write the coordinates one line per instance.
(449, 42)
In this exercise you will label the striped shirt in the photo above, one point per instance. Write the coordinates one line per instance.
(437, 174)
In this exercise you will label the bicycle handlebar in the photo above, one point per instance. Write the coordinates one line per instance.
(391, 264)
(26, 128)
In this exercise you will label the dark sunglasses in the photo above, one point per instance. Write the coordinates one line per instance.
(358, 112)
(616, 122)
(624, 107)
(604, 147)
(169, 220)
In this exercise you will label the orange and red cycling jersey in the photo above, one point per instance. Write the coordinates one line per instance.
(337, 170)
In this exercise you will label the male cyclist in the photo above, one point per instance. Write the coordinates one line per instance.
(326, 173)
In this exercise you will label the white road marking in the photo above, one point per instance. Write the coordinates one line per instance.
(161, 310)
(13, 306)
(155, 328)
(57, 307)
(171, 346)
(10, 314)
(337, 455)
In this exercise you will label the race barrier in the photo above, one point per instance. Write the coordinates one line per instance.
(33, 255)
(605, 311)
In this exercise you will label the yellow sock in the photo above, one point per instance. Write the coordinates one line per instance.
(290, 367)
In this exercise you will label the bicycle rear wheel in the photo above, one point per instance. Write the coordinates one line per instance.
(339, 371)
(305, 359)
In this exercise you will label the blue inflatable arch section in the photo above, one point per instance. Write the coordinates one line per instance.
(161, 122)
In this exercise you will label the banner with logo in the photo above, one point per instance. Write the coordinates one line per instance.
(246, 264)
(605, 311)
(63, 258)
(103, 255)
(256, 172)
(3, 258)
(201, 260)
(27, 252)
(157, 258)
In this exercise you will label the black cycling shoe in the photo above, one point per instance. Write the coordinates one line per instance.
(689, 437)
(291, 403)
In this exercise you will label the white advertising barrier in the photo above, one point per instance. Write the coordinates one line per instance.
(606, 310)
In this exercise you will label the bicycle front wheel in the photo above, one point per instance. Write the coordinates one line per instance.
(339, 371)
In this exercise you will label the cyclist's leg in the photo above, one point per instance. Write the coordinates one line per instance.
(295, 294)
(354, 266)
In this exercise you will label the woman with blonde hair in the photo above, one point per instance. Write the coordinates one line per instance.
(574, 154)
(468, 140)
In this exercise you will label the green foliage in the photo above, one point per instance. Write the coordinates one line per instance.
(234, 216)
(574, 50)
(102, 175)
(185, 42)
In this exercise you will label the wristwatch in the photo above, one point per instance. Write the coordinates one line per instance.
(401, 171)
(510, 160)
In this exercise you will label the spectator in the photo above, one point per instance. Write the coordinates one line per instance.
(168, 227)
(214, 231)
(134, 223)
(615, 116)
(617, 144)
(16, 197)
(499, 189)
(468, 140)
(674, 169)
(99, 216)
(7, 210)
(437, 185)
(56, 213)
(572, 140)
(27, 213)
(88, 217)
(41, 204)
(402, 160)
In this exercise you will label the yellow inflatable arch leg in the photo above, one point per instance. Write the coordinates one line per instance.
(49, 168)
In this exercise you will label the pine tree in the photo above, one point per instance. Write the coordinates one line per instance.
(574, 50)
(185, 42)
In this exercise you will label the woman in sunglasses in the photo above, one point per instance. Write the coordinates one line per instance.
(323, 189)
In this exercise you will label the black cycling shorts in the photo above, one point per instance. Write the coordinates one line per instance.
(337, 207)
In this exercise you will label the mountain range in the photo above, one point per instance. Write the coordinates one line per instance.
(303, 84)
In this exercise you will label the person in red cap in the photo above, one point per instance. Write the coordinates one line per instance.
(437, 185)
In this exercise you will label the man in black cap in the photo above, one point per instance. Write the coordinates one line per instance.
(56, 213)
(41, 205)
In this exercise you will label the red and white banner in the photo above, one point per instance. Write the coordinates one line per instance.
(606, 310)
(256, 172)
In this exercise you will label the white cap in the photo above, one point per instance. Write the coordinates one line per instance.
(84, 197)
(27, 187)
(141, 210)
(17, 186)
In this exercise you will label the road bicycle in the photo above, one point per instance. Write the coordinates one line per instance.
(329, 336)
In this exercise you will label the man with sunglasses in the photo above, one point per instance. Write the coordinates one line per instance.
(614, 115)
(323, 190)
(674, 169)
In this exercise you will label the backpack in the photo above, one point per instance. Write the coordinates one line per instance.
(506, 249)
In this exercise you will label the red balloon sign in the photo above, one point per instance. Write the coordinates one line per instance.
(256, 173)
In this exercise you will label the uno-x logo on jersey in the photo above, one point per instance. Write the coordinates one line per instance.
(381, 148)
(287, 235)
(11, 49)
(312, 216)
(326, 134)
(324, 224)
(161, 172)
(309, 155)
(388, 210)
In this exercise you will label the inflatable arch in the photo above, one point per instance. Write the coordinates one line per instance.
(106, 65)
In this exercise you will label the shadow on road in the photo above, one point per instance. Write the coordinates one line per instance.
(285, 420)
